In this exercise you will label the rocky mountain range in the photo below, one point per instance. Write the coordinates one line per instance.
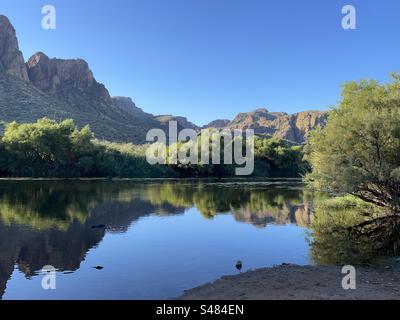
(66, 88)
(292, 127)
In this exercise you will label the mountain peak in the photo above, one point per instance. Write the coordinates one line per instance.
(261, 110)
(35, 59)
(59, 75)
(4, 20)
(218, 124)
(293, 127)
(11, 59)
(183, 122)
(68, 89)
(126, 104)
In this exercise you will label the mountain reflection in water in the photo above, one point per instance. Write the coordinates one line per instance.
(50, 222)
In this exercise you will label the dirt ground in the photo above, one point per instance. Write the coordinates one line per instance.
(292, 282)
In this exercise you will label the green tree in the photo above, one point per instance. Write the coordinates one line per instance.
(279, 157)
(49, 148)
(45, 148)
(358, 151)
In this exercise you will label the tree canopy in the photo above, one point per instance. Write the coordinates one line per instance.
(358, 151)
(48, 148)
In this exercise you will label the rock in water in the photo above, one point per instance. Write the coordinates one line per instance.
(98, 267)
(100, 226)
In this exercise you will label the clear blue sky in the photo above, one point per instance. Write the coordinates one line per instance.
(208, 59)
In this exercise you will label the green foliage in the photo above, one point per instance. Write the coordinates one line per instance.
(276, 157)
(48, 148)
(343, 203)
(358, 151)
(59, 149)
(273, 157)
(43, 148)
(127, 160)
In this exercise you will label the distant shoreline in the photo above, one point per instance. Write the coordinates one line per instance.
(293, 282)
(259, 179)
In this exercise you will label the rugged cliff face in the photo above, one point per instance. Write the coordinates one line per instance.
(60, 76)
(129, 106)
(66, 88)
(218, 124)
(182, 122)
(60, 89)
(11, 59)
(293, 127)
(306, 121)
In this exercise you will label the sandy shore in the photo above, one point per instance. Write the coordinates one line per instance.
(302, 282)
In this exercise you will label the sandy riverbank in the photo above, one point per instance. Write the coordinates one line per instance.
(301, 282)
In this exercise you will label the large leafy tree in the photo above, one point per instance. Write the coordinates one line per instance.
(45, 147)
(358, 152)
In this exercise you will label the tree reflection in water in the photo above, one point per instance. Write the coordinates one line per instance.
(49, 222)
(352, 233)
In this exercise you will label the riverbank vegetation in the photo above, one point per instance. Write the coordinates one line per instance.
(358, 150)
(357, 156)
(49, 148)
